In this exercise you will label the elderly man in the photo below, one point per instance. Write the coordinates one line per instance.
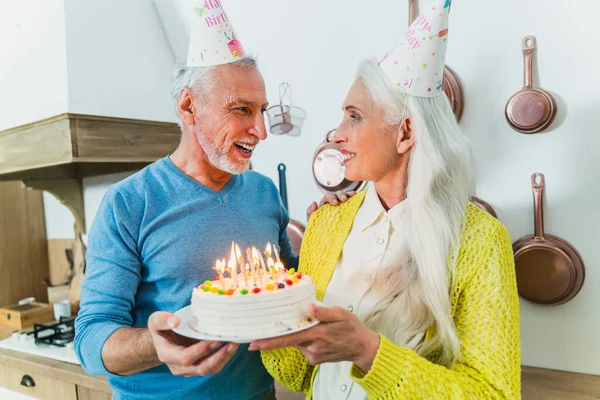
(157, 235)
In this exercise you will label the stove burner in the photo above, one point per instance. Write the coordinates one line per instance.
(58, 334)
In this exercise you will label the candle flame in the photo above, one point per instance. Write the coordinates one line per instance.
(268, 250)
(231, 263)
(238, 253)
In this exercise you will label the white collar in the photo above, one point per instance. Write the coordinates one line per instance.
(371, 211)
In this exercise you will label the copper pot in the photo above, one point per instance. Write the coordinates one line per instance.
(328, 168)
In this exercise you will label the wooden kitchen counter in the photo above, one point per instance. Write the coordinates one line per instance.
(537, 383)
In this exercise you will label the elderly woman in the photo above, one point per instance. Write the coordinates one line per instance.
(419, 284)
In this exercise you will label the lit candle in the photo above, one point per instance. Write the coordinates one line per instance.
(258, 257)
(279, 268)
(271, 266)
(232, 265)
(250, 256)
(240, 260)
(270, 263)
(226, 278)
(276, 254)
(219, 268)
(245, 273)
(268, 255)
(262, 263)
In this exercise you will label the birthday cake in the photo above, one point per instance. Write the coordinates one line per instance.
(252, 298)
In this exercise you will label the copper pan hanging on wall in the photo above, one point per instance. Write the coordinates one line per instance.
(530, 110)
(483, 205)
(451, 84)
(549, 269)
(328, 168)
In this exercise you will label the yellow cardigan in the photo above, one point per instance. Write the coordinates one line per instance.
(485, 310)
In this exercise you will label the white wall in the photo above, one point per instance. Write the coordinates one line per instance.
(33, 61)
(315, 46)
(119, 60)
(119, 63)
(33, 79)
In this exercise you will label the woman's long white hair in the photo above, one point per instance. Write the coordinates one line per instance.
(417, 291)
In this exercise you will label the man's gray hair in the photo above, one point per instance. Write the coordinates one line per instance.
(200, 80)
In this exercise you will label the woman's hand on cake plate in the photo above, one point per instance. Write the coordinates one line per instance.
(185, 356)
(339, 336)
(330, 198)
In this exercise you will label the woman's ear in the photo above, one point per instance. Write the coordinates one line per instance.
(406, 136)
(185, 107)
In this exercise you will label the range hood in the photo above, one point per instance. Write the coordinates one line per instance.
(54, 154)
(77, 146)
(85, 91)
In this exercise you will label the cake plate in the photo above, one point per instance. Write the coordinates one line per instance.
(185, 329)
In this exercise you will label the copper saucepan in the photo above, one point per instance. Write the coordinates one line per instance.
(295, 229)
(483, 205)
(328, 168)
(530, 110)
(451, 84)
(549, 269)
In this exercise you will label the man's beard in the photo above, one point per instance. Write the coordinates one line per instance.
(218, 157)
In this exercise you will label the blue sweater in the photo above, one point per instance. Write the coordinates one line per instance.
(156, 236)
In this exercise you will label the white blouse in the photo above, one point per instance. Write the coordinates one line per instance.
(374, 243)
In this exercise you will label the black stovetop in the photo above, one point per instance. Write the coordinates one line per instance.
(58, 334)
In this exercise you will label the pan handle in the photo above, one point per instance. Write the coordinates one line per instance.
(282, 185)
(528, 49)
(329, 136)
(412, 11)
(538, 199)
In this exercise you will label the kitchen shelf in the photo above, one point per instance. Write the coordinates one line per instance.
(54, 154)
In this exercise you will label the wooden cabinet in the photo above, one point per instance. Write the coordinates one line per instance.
(43, 378)
(84, 393)
(36, 385)
(23, 247)
(58, 380)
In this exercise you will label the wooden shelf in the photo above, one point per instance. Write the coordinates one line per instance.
(76, 146)
(54, 154)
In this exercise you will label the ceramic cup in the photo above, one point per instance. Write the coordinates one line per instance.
(62, 309)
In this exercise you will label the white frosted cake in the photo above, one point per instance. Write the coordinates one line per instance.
(266, 300)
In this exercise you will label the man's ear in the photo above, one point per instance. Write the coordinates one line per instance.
(185, 107)
(406, 136)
